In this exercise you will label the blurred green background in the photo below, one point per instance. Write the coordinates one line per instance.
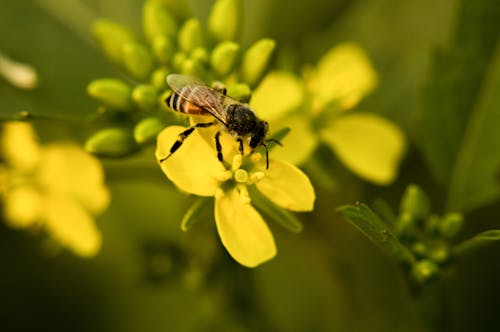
(150, 276)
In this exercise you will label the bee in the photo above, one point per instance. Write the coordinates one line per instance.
(192, 97)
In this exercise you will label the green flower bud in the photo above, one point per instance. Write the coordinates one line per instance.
(193, 68)
(256, 60)
(191, 35)
(111, 92)
(439, 253)
(178, 60)
(240, 91)
(147, 130)
(159, 78)
(199, 55)
(145, 96)
(432, 224)
(420, 249)
(111, 37)
(451, 224)
(224, 18)
(405, 225)
(424, 271)
(179, 8)
(415, 202)
(163, 49)
(137, 60)
(223, 57)
(157, 21)
(111, 142)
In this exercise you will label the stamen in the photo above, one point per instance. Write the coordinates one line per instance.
(224, 176)
(237, 161)
(256, 177)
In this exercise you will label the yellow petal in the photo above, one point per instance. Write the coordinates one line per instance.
(242, 230)
(300, 142)
(67, 169)
(194, 166)
(22, 206)
(287, 186)
(18, 145)
(343, 76)
(369, 145)
(278, 93)
(70, 224)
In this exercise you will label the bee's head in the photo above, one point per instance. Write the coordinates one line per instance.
(259, 134)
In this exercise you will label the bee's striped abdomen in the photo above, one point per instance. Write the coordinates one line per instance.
(179, 101)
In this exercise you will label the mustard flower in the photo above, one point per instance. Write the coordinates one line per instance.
(195, 169)
(316, 108)
(56, 187)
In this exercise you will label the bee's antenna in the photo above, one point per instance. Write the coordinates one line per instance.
(267, 155)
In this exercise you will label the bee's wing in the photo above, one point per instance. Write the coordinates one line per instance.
(196, 92)
(201, 95)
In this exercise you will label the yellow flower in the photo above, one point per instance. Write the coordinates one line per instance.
(314, 108)
(195, 169)
(57, 187)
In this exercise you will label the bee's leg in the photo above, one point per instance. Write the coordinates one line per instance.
(240, 147)
(185, 134)
(267, 155)
(275, 141)
(218, 147)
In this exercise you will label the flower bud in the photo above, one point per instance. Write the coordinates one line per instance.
(137, 60)
(145, 96)
(415, 202)
(159, 78)
(256, 60)
(224, 18)
(163, 49)
(111, 142)
(451, 224)
(111, 37)
(223, 57)
(193, 68)
(111, 92)
(199, 55)
(147, 129)
(239, 92)
(178, 60)
(424, 270)
(191, 35)
(180, 8)
(157, 21)
(405, 225)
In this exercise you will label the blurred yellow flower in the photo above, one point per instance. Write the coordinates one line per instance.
(314, 108)
(195, 169)
(57, 187)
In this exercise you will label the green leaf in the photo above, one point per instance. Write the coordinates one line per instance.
(279, 215)
(451, 93)
(194, 213)
(363, 218)
(475, 179)
(479, 241)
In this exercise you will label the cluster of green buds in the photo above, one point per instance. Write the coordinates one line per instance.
(423, 243)
(172, 42)
(426, 234)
